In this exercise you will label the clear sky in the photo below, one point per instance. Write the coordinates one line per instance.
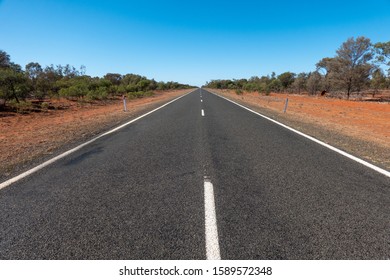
(186, 41)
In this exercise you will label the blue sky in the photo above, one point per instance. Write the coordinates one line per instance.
(186, 41)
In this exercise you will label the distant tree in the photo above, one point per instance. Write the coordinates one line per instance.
(329, 77)
(258, 84)
(382, 51)
(152, 85)
(350, 69)
(33, 71)
(378, 81)
(75, 88)
(275, 85)
(13, 85)
(299, 83)
(313, 83)
(143, 85)
(286, 79)
(4, 59)
(69, 82)
(48, 82)
(69, 71)
(239, 84)
(173, 85)
(13, 82)
(131, 79)
(83, 70)
(254, 80)
(104, 83)
(161, 86)
(114, 78)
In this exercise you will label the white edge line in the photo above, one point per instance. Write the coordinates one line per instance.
(50, 161)
(363, 162)
(211, 230)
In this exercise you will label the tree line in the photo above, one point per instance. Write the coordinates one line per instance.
(37, 82)
(358, 65)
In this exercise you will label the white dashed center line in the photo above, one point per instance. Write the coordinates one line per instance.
(202, 113)
(212, 243)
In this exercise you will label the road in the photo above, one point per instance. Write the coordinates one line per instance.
(200, 178)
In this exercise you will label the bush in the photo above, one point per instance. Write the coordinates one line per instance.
(45, 105)
(21, 106)
(131, 88)
(74, 91)
(139, 94)
(239, 92)
(13, 85)
(97, 94)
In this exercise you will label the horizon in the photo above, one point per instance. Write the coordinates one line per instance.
(190, 43)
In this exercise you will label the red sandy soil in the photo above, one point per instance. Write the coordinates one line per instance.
(25, 137)
(361, 120)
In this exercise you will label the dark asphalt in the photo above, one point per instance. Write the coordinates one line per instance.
(138, 194)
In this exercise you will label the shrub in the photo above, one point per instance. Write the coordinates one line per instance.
(97, 94)
(21, 107)
(13, 85)
(74, 91)
(131, 88)
(45, 105)
(139, 94)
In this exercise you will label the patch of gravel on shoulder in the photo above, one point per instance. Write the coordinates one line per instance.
(368, 151)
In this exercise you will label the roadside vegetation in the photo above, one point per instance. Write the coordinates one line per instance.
(358, 67)
(33, 87)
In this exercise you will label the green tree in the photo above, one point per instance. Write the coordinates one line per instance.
(378, 81)
(275, 86)
(114, 78)
(299, 83)
(5, 60)
(131, 79)
(313, 83)
(13, 85)
(143, 85)
(286, 79)
(33, 71)
(13, 82)
(48, 80)
(75, 88)
(382, 51)
(350, 69)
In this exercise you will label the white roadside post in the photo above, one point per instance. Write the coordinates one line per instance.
(124, 103)
(285, 106)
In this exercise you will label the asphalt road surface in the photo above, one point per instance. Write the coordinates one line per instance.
(200, 178)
